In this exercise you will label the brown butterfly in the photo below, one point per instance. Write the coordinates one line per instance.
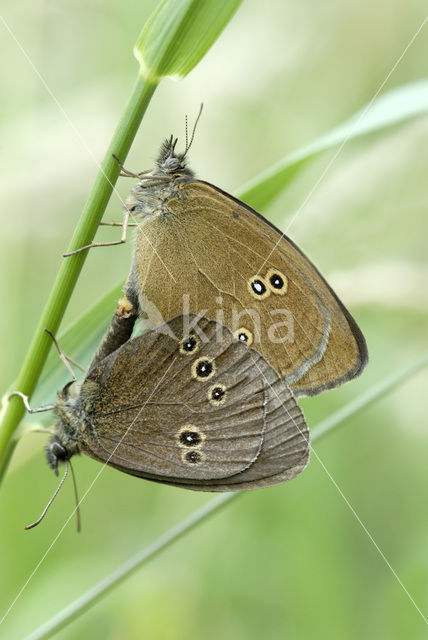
(187, 405)
(199, 249)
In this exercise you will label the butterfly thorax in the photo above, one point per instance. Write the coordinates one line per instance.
(157, 187)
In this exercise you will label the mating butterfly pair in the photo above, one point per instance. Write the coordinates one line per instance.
(212, 408)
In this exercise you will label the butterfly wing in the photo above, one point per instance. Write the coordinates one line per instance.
(209, 418)
(285, 449)
(213, 251)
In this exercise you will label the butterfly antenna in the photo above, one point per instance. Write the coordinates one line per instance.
(187, 132)
(45, 510)
(188, 145)
(76, 497)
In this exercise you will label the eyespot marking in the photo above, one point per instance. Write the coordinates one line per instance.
(217, 394)
(258, 287)
(277, 281)
(189, 345)
(192, 457)
(190, 436)
(244, 335)
(203, 369)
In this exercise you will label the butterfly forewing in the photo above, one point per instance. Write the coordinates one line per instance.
(214, 252)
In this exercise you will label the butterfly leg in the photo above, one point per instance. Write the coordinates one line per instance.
(118, 224)
(128, 174)
(47, 407)
(64, 357)
(119, 331)
(66, 360)
(103, 244)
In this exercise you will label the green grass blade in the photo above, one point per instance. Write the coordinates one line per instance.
(82, 604)
(70, 268)
(79, 606)
(391, 108)
(178, 35)
(80, 340)
(172, 42)
(368, 397)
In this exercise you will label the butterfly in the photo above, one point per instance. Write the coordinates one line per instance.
(199, 249)
(186, 404)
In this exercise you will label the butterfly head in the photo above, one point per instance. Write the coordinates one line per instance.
(160, 184)
(171, 163)
(63, 444)
(174, 164)
(56, 452)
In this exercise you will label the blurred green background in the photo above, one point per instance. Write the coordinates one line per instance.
(287, 562)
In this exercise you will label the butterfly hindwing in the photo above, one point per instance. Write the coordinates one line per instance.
(172, 407)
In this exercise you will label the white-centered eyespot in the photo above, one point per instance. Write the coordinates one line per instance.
(203, 369)
(192, 457)
(258, 287)
(189, 345)
(277, 281)
(217, 394)
(244, 335)
(190, 436)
